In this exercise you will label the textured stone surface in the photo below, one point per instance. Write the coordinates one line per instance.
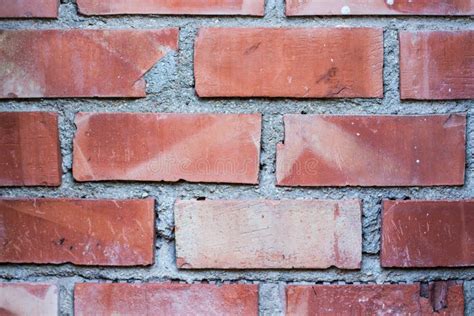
(289, 62)
(167, 147)
(80, 63)
(200, 7)
(29, 146)
(427, 233)
(29, 8)
(326, 150)
(265, 234)
(84, 232)
(379, 7)
(439, 298)
(28, 299)
(437, 65)
(165, 299)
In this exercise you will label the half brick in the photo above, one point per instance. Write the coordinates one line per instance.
(184, 7)
(333, 150)
(437, 65)
(167, 147)
(80, 63)
(298, 234)
(379, 7)
(83, 232)
(165, 299)
(29, 9)
(427, 234)
(437, 298)
(28, 299)
(289, 62)
(30, 150)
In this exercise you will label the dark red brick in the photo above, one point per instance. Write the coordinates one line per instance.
(83, 232)
(439, 298)
(334, 150)
(427, 234)
(289, 62)
(29, 143)
(165, 299)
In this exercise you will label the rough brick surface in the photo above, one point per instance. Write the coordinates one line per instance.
(427, 234)
(29, 146)
(379, 7)
(440, 298)
(167, 147)
(437, 65)
(293, 62)
(200, 7)
(325, 150)
(80, 63)
(28, 299)
(165, 299)
(84, 232)
(268, 234)
(29, 8)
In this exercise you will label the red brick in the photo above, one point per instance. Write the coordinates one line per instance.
(379, 7)
(167, 147)
(29, 143)
(438, 298)
(266, 234)
(291, 62)
(165, 299)
(29, 9)
(200, 7)
(427, 234)
(437, 65)
(333, 150)
(83, 232)
(28, 299)
(80, 63)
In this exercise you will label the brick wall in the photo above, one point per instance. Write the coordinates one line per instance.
(236, 157)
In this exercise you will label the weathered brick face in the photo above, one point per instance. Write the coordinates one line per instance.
(236, 157)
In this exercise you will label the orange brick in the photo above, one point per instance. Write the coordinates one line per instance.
(335, 150)
(167, 147)
(80, 63)
(437, 65)
(289, 62)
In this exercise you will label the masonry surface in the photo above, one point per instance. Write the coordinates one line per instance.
(170, 87)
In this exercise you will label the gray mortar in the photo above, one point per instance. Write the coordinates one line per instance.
(170, 87)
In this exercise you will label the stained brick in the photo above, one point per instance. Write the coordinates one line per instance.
(379, 7)
(291, 62)
(325, 150)
(200, 7)
(29, 9)
(29, 146)
(80, 63)
(268, 234)
(427, 234)
(437, 298)
(84, 232)
(167, 147)
(28, 299)
(165, 299)
(437, 65)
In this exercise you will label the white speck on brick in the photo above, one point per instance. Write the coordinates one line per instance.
(346, 10)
